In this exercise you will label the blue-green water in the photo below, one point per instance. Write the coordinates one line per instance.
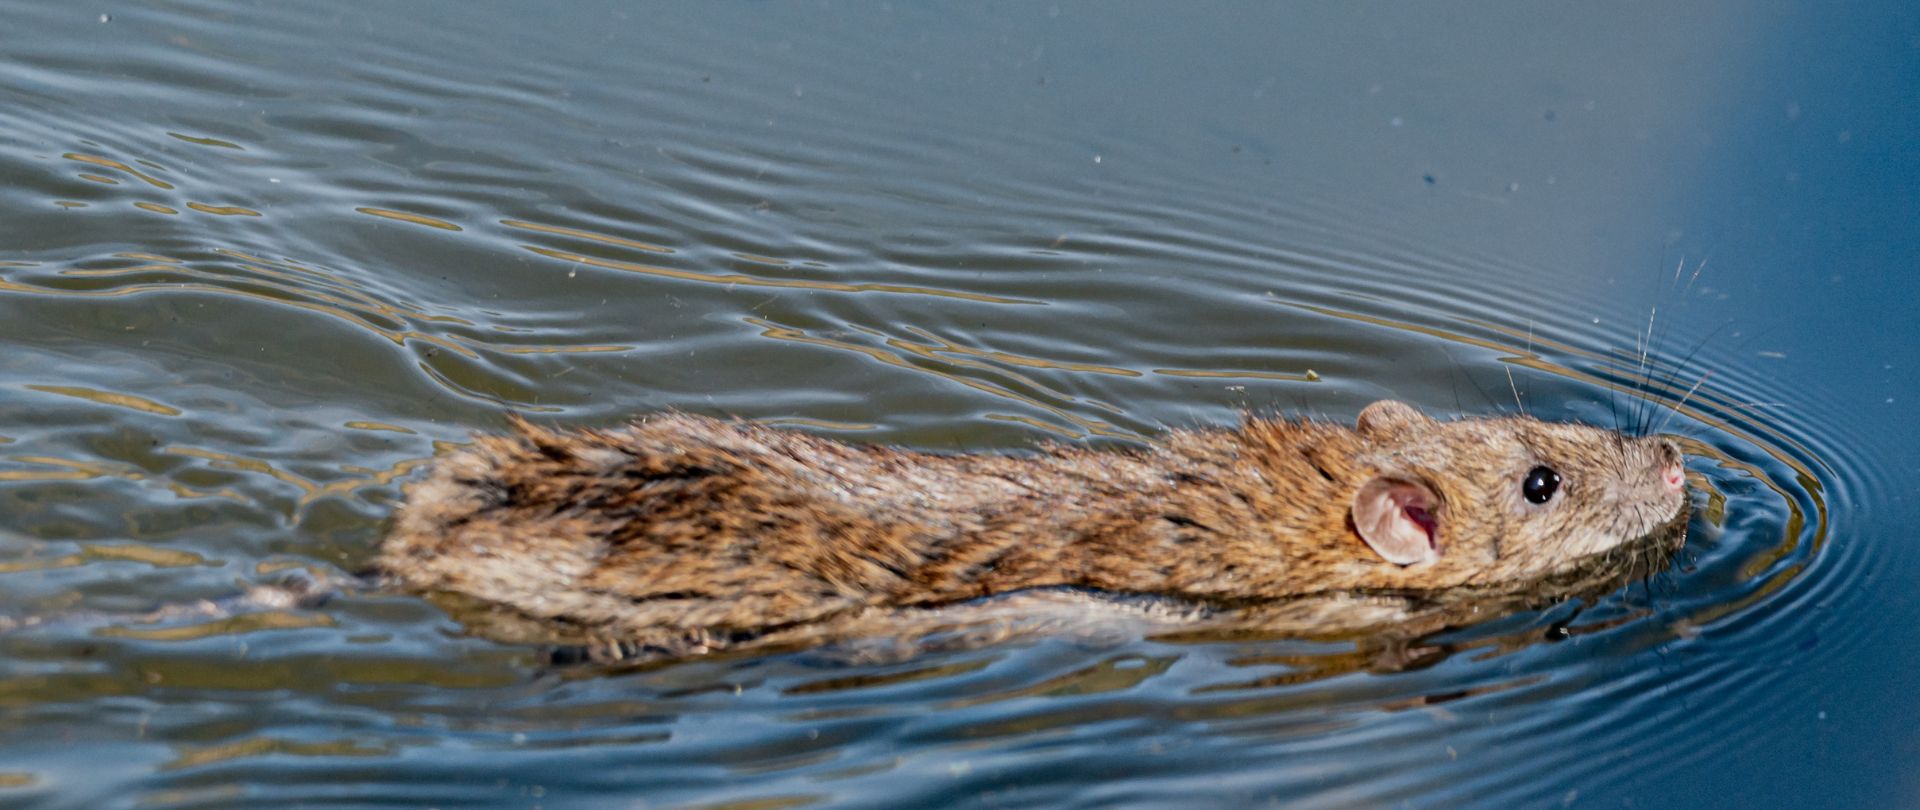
(257, 262)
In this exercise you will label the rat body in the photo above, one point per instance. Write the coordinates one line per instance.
(686, 534)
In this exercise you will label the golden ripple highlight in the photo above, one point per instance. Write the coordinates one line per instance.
(1307, 376)
(403, 216)
(69, 470)
(270, 746)
(110, 163)
(743, 280)
(147, 257)
(223, 210)
(206, 141)
(288, 264)
(854, 682)
(155, 556)
(1116, 674)
(22, 566)
(588, 235)
(984, 361)
(310, 490)
(99, 179)
(128, 401)
(229, 793)
(382, 426)
(331, 298)
(562, 349)
(254, 622)
(229, 461)
(265, 567)
(75, 470)
(110, 272)
(899, 359)
(783, 802)
(821, 424)
(944, 346)
(1031, 422)
(156, 208)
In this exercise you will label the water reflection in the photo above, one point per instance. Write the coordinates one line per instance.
(264, 262)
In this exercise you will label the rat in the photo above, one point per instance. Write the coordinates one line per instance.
(681, 534)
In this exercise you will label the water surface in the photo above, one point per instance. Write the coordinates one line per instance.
(259, 262)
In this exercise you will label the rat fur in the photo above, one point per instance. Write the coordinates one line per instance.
(684, 534)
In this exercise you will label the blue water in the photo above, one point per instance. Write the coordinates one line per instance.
(258, 263)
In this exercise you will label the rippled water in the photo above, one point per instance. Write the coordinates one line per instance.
(259, 262)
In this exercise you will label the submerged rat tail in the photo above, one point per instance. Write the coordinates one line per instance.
(304, 590)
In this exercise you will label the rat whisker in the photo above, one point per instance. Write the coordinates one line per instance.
(1680, 368)
(1613, 397)
(1683, 400)
(1529, 354)
(1516, 392)
(1696, 276)
(1484, 395)
(1644, 368)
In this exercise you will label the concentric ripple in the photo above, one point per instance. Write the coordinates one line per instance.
(261, 264)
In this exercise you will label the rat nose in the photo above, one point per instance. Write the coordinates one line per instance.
(1674, 472)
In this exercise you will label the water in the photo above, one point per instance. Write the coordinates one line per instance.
(259, 262)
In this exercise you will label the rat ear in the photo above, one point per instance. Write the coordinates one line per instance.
(1389, 416)
(1398, 519)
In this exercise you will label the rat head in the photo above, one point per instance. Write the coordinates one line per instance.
(1480, 501)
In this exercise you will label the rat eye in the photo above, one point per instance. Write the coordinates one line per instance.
(1540, 485)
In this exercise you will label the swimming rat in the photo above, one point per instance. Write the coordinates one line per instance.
(684, 534)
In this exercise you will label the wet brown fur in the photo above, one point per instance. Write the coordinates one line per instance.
(684, 533)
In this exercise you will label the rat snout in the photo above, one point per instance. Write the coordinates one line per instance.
(1673, 470)
(1674, 477)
